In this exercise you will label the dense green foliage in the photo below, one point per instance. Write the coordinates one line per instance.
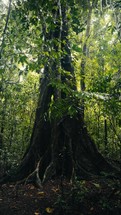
(24, 52)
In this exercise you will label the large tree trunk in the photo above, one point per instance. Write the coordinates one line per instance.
(60, 146)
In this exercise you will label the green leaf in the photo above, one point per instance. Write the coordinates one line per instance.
(96, 185)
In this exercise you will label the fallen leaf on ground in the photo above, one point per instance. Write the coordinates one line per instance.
(91, 209)
(36, 213)
(55, 190)
(117, 192)
(49, 210)
(41, 193)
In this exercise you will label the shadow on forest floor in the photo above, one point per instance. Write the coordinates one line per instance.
(97, 197)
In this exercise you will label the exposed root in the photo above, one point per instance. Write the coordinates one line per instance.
(49, 172)
(32, 177)
(35, 174)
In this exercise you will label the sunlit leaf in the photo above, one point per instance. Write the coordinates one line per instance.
(96, 185)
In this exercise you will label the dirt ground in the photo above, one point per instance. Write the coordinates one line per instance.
(97, 197)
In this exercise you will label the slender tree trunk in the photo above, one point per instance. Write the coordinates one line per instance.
(3, 121)
(105, 134)
(85, 54)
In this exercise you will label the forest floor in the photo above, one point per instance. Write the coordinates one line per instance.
(98, 197)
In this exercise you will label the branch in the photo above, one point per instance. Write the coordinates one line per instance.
(5, 28)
